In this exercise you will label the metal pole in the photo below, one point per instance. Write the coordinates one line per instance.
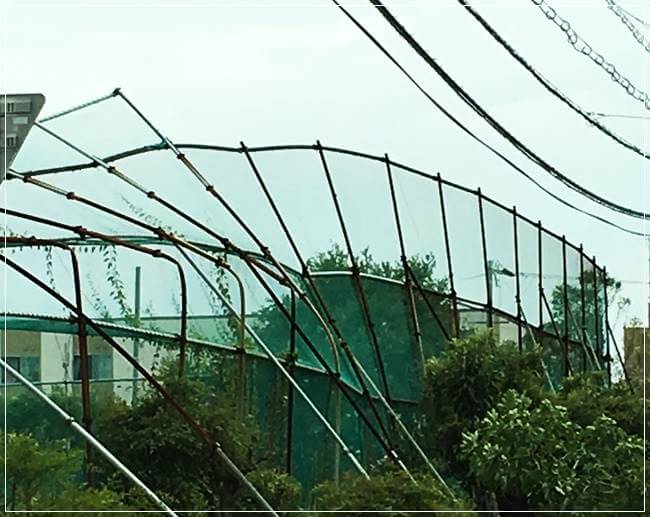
(566, 363)
(583, 314)
(609, 357)
(277, 362)
(88, 437)
(517, 279)
(84, 368)
(81, 106)
(212, 444)
(355, 274)
(486, 263)
(596, 311)
(136, 341)
(291, 363)
(620, 359)
(540, 284)
(406, 268)
(454, 300)
(319, 298)
(565, 300)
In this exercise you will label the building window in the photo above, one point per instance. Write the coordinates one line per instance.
(100, 366)
(19, 106)
(29, 367)
(11, 141)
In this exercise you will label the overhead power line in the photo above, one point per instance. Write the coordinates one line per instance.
(588, 116)
(616, 115)
(584, 48)
(634, 17)
(466, 130)
(620, 13)
(458, 90)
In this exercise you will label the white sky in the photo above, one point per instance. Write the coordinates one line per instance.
(293, 72)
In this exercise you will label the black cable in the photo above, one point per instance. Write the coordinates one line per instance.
(498, 127)
(472, 135)
(588, 116)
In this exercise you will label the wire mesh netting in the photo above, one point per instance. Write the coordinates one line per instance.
(310, 284)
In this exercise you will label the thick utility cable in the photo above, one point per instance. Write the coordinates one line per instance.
(580, 45)
(87, 436)
(180, 242)
(621, 14)
(475, 137)
(478, 109)
(588, 116)
(196, 427)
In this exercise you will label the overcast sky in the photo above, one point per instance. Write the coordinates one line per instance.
(293, 72)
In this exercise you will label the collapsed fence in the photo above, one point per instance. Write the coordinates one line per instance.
(328, 276)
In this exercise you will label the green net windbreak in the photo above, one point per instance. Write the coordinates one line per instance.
(249, 269)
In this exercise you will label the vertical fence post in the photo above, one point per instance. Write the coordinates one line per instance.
(565, 303)
(406, 268)
(583, 313)
(136, 341)
(82, 336)
(486, 264)
(599, 352)
(291, 360)
(540, 272)
(454, 300)
(356, 276)
(607, 350)
(517, 279)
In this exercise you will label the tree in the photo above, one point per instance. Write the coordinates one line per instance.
(388, 307)
(167, 455)
(593, 310)
(533, 457)
(464, 383)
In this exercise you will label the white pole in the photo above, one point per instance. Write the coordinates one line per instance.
(87, 436)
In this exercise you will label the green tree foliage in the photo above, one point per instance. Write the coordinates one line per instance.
(389, 309)
(464, 383)
(535, 457)
(587, 397)
(391, 491)
(155, 442)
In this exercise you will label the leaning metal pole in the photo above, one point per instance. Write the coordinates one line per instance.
(352, 358)
(88, 437)
(82, 337)
(266, 252)
(276, 361)
(357, 369)
(196, 427)
(445, 230)
(158, 232)
(405, 266)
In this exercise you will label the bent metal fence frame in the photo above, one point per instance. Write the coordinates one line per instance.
(326, 350)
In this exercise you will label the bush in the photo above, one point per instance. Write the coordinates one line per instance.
(537, 458)
(463, 384)
(587, 397)
(392, 491)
